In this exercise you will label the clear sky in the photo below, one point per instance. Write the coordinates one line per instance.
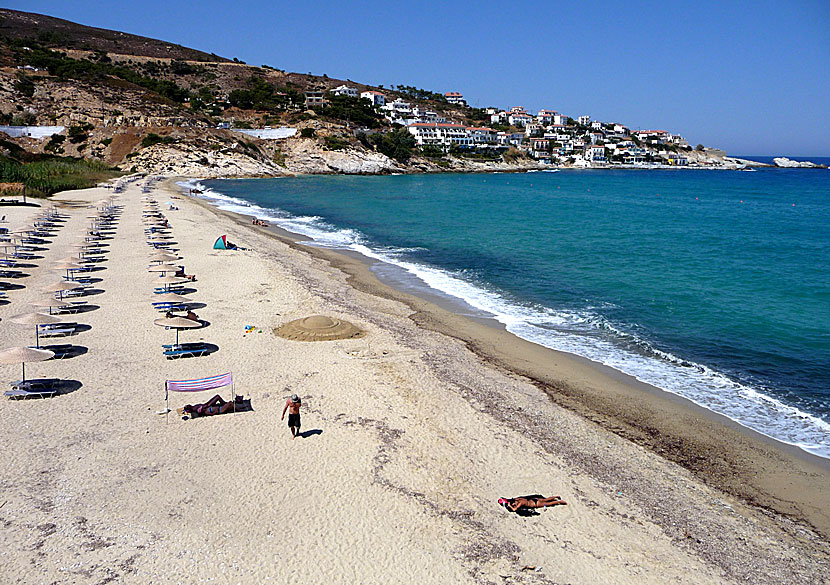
(750, 77)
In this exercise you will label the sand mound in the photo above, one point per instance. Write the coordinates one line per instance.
(318, 328)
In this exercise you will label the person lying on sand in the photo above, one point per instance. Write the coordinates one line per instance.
(529, 502)
(215, 405)
(180, 273)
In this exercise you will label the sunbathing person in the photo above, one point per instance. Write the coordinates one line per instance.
(180, 273)
(192, 316)
(215, 405)
(530, 502)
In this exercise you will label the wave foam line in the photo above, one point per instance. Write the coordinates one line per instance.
(572, 332)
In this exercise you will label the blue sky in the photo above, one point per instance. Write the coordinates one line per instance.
(750, 77)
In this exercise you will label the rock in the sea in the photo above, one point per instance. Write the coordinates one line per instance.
(786, 163)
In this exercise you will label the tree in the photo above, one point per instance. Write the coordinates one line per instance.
(699, 148)
(397, 144)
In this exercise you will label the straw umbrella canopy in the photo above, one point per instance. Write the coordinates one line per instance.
(168, 280)
(171, 297)
(51, 303)
(163, 257)
(21, 355)
(60, 287)
(177, 323)
(318, 328)
(35, 319)
(69, 266)
(163, 268)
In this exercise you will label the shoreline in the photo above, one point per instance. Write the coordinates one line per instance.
(760, 470)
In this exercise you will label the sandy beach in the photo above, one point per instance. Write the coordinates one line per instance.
(411, 434)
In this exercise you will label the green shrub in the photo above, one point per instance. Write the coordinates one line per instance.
(78, 134)
(335, 142)
(153, 138)
(54, 144)
(307, 133)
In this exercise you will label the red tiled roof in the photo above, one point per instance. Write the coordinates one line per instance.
(435, 125)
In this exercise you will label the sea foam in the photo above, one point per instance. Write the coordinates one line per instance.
(584, 333)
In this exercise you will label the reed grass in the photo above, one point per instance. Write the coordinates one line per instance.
(53, 174)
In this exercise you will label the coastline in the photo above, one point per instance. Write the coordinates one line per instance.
(762, 471)
(408, 440)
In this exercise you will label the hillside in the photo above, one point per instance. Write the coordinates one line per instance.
(57, 33)
(147, 105)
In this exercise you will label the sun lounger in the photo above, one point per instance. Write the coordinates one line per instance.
(39, 388)
(57, 331)
(184, 350)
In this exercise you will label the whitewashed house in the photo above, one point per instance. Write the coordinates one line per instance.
(345, 90)
(584, 120)
(595, 153)
(596, 125)
(533, 128)
(546, 116)
(455, 98)
(377, 98)
(499, 118)
(519, 119)
(560, 120)
(442, 135)
(483, 136)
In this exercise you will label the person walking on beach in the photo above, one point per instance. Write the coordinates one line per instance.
(292, 405)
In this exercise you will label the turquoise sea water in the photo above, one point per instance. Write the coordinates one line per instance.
(714, 285)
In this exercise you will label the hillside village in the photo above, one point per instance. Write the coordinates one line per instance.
(549, 137)
(145, 105)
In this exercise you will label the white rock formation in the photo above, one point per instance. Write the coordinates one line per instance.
(786, 163)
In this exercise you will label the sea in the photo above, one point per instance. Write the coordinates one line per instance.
(712, 285)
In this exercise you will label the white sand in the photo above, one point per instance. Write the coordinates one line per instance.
(397, 484)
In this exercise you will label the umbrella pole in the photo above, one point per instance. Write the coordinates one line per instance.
(37, 337)
(24, 371)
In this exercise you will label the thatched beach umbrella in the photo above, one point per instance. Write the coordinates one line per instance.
(60, 287)
(163, 268)
(170, 280)
(177, 323)
(21, 355)
(163, 257)
(51, 303)
(35, 319)
(318, 328)
(171, 298)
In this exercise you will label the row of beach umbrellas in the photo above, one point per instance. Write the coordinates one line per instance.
(85, 254)
(158, 236)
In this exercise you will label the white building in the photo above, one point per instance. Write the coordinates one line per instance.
(345, 90)
(546, 116)
(377, 98)
(620, 129)
(455, 98)
(483, 136)
(596, 125)
(38, 132)
(560, 120)
(595, 153)
(519, 119)
(533, 128)
(584, 120)
(441, 134)
(499, 118)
